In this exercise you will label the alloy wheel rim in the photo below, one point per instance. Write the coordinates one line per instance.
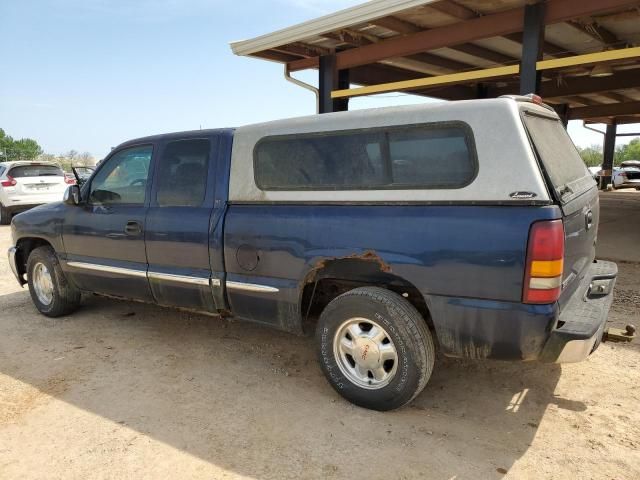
(43, 283)
(365, 353)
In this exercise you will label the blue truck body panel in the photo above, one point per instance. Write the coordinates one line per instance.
(430, 247)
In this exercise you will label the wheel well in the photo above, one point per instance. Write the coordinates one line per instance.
(336, 277)
(25, 247)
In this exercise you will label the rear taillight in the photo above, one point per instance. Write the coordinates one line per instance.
(69, 180)
(9, 182)
(545, 258)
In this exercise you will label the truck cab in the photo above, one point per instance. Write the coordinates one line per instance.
(469, 227)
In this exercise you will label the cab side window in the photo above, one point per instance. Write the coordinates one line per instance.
(123, 180)
(182, 173)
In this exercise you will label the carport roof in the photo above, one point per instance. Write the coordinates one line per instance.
(472, 48)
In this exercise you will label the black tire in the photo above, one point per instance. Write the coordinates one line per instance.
(405, 328)
(65, 298)
(5, 215)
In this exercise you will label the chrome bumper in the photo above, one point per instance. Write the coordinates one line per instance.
(12, 263)
(578, 350)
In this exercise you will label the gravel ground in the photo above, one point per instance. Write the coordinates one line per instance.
(126, 390)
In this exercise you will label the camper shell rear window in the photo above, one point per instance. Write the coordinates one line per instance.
(560, 159)
(426, 156)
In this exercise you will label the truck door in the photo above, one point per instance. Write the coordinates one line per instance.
(178, 223)
(104, 235)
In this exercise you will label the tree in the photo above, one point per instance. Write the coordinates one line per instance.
(23, 149)
(630, 151)
(85, 159)
(26, 149)
(592, 156)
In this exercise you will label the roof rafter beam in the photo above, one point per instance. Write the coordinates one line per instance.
(616, 97)
(403, 27)
(597, 32)
(606, 110)
(461, 12)
(358, 40)
(379, 73)
(498, 24)
(580, 85)
(302, 50)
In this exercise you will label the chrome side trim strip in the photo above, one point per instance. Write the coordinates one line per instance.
(205, 282)
(179, 278)
(251, 287)
(108, 269)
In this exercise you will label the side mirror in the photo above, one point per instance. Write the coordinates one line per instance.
(72, 195)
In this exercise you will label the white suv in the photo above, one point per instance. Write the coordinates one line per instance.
(24, 185)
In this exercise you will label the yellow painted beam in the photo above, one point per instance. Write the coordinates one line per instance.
(607, 56)
(487, 73)
(426, 82)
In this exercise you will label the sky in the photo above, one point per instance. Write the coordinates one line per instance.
(90, 74)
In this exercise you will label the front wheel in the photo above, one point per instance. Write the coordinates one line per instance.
(375, 348)
(50, 291)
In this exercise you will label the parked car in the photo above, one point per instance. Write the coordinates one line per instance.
(628, 175)
(24, 185)
(70, 178)
(387, 231)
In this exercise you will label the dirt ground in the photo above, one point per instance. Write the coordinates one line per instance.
(125, 390)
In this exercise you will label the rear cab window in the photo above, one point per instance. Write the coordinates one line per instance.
(182, 173)
(566, 172)
(23, 171)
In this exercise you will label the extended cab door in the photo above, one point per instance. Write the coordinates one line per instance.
(178, 223)
(104, 235)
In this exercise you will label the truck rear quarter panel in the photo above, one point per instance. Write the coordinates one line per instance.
(467, 262)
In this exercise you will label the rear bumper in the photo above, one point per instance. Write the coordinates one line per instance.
(630, 183)
(581, 323)
(476, 328)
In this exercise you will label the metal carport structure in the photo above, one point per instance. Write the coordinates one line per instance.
(581, 56)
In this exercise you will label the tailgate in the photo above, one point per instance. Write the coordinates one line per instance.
(573, 188)
(581, 216)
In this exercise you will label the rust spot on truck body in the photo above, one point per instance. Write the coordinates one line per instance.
(367, 256)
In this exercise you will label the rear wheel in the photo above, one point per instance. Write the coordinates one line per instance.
(50, 291)
(375, 348)
(5, 215)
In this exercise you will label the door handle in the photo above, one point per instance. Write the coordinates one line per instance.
(133, 228)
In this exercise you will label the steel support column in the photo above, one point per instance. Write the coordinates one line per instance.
(532, 47)
(608, 151)
(331, 79)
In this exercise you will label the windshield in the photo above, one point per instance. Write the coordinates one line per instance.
(557, 152)
(36, 171)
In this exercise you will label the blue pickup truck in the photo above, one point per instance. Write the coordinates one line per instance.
(468, 227)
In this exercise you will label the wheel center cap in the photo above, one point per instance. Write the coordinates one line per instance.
(367, 353)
